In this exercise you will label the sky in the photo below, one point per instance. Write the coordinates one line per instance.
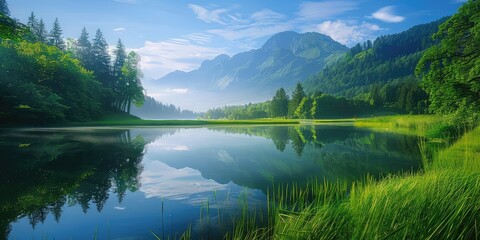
(174, 35)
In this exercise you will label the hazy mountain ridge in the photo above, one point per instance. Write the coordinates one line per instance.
(285, 59)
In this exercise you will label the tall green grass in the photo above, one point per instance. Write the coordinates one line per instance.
(440, 202)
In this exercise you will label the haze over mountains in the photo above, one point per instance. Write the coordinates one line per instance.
(381, 71)
(284, 60)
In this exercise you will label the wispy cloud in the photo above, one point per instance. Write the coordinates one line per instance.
(386, 14)
(459, 1)
(119, 29)
(208, 16)
(325, 9)
(160, 58)
(259, 24)
(346, 32)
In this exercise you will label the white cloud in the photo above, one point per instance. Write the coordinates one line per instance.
(206, 15)
(325, 9)
(345, 32)
(386, 14)
(259, 24)
(119, 208)
(459, 1)
(160, 58)
(119, 29)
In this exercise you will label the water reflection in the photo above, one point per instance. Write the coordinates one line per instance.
(42, 171)
(135, 171)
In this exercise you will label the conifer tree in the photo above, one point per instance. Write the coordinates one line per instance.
(41, 32)
(84, 50)
(120, 57)
(101, 58)
(4, 8)
(56, 36)
(297, 97)
(32, 23)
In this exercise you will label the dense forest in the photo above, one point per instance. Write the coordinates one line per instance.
(44, 79)
(382, 72)
(153, 109)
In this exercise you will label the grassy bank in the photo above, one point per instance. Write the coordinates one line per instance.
(121, 119)
(441, 202)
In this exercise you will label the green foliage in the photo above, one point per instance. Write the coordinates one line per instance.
(279, 104)
(304, 108)
(451, 69)
(317, 106)
(52, 84)
(152, 109)
(4, 8)
(11, 29)
(56, 35)
(297, 96)
(384, 65)
(130, 84)
(83, 50)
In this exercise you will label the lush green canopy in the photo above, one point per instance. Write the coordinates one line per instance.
(451, 69)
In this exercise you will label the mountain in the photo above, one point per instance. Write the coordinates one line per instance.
(380, 71)
(285, 59)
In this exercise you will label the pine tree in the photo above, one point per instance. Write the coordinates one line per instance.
(42, 32)
(279, 104)
(4, 8)
(297, 97)
(56, 36)
(120, 57)
(101, 67)
(119, 83)
(101, 60)
(32, 24)
(84, 50)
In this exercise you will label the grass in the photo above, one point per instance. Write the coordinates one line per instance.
(120, 119)
(440, 202)
(403, 124)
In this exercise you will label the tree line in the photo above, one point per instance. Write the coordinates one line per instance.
(154, 109)
(315, 105)
(45, 79)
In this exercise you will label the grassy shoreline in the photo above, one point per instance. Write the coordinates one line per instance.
(440, 202)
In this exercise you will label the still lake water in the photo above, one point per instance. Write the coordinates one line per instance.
(100, 183)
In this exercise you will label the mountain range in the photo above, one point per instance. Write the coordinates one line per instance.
(284, 60)
(313, 59)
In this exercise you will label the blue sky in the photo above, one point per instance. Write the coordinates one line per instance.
(179, 35)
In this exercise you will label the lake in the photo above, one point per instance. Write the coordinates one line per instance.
(117, 183)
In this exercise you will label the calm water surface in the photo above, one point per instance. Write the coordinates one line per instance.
(96, 183)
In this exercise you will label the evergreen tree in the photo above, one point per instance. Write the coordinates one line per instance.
(83, 50)
(56, 36)
(101, 60)
(41, 32)
(4, 8)
(118, 83)
(120, 57)
(32, 24)
(279, 104)
(297, 97)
